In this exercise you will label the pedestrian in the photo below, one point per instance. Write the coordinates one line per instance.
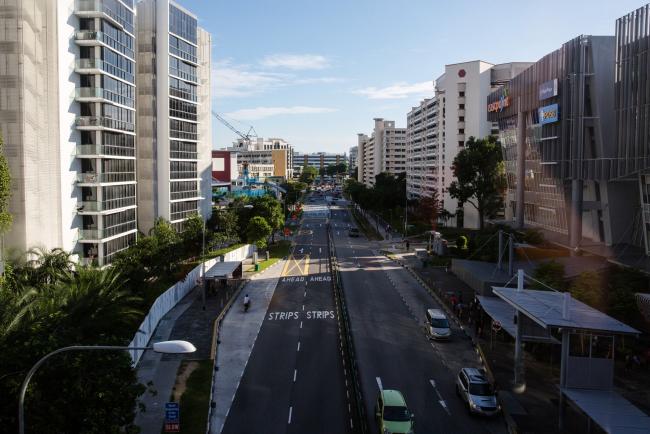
(408, 245)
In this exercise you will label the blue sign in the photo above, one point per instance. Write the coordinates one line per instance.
(548, 89)
(549, 114)
(172, 412)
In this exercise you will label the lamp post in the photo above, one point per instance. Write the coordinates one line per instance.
(205, 281)
(166, 347)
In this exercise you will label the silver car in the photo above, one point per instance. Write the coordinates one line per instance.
(475, 390)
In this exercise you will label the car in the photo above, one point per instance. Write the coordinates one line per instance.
(353, 232)
(437, 325)
(476, 391)
(392, 413)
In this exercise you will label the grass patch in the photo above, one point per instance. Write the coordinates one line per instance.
(369, 231)
(277, 251)
(195, 400)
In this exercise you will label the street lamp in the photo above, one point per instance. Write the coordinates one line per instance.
(166, 347)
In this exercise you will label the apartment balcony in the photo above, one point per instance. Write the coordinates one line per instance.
(98, 9)
(190, 176)
(102, 151)
(93, 178)
(99, 94)
(461, 112)
(89, 123)
(98, 207)
(94, 235)
(461, 124)
(184, 155)
(179, 196)
(98, 66)
(89, 38)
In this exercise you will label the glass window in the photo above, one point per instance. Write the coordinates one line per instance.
(182, 24)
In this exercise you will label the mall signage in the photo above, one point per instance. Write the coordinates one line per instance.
(548, 114)
(548, 89)
(498, 106)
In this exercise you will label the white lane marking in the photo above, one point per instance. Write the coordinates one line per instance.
(440, 400)
(298, 349)
(300, 324)
(295, 373)
(378, 379)
(290, 411)
(305, 295)
(301, 250)
(303, 307)
(320, 250)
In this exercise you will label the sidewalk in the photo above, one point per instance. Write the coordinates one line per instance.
(237, 336)
(380, 226)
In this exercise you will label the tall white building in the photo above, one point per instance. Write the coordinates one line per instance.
(422, 150)
(383, 151)
(354, 154)
(462, 93)
(67, 114)
(174, 116)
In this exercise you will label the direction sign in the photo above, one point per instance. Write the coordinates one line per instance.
(172, 417)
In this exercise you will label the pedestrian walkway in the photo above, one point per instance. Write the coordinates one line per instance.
(237, 336)
(380, 225)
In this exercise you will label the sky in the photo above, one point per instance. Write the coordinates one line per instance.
(316, 73)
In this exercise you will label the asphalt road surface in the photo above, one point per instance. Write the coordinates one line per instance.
(294, 382)
(386, 308)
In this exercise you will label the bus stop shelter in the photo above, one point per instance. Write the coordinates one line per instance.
(587, 363)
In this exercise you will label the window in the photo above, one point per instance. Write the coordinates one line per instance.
(182, 89)
(461, 94)
(182, 130)
(461, 143)
(461, 118)
(181, 69)
(182, 109)
(182, 24)
(461, 106)
(182, 49)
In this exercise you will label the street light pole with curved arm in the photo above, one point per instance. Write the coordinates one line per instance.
(172, 347)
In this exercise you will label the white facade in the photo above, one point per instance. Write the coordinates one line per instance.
(258, 151)
(174, 123)
(68, 114)
(383, 151)
(462, 94)
(422, 150)
(319, 160)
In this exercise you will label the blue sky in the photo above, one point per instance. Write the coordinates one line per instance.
(317, 72)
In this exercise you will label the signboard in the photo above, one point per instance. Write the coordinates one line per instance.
(548, 89)
(172, 417)
(549, 114)
(498, 106)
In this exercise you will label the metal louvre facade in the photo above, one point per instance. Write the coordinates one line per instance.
(633, 91)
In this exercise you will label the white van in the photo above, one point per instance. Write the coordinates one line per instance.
(437, 324)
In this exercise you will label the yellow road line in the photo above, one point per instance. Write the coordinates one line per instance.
(286, 265)
(306, 272)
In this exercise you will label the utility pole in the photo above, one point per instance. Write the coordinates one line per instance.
(205, 281)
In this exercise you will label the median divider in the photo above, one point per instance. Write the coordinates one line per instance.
(350, 368)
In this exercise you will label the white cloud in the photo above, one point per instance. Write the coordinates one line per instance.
(265, 112)
(295, 61)
(230, 79)
(397, 91)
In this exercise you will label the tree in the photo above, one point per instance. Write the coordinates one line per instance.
(271, 210)
(192, 234)
(258, 231)
(480, 176)
(167, 241)
(224, 224)
(588, 288)
(5, 191)
(294, 190)
(428, 209)
(308, 175)
(550, 273)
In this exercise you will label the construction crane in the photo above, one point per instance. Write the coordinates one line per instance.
(246, 137)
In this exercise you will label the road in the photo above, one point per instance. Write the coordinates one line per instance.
(294, 381)
(386, 307)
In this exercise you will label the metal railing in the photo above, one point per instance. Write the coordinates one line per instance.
(192, 194)
(92, 63)
(100, 6)
(347, 343)
(100, 92)
(94, 205)
(120, 151)
(92, 177)
(102, 121)
(93, 35)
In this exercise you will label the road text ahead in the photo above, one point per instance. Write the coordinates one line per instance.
(310, 314)
(327, 278)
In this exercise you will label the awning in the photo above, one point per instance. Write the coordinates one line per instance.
(500, 311)
(610, 411)
(222, 270)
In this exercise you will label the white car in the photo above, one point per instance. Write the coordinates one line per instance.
(437, 325)
(476, 391)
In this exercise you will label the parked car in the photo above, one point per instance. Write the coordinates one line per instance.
(474, 388)
(437, 325)
(353, 232)
(392, 413)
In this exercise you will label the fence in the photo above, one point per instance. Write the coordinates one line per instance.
(347, 345)
(168, 299)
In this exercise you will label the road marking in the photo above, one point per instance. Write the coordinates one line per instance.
(290, 411)
(320, 250)
(305, 295)
(298, 346)
(303, 307)
(300, 324)
(295, 372)
(378, 379)
(440, 400)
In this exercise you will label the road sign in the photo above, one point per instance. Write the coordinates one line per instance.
(496, 326)
(172, 417)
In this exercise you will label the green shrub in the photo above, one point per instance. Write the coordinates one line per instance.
(533, 236)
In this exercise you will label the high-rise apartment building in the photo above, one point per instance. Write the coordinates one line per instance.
(422, 165)
(461, 92)
(383, 151)
(68, 91)
(174, 120)
(354, 154)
